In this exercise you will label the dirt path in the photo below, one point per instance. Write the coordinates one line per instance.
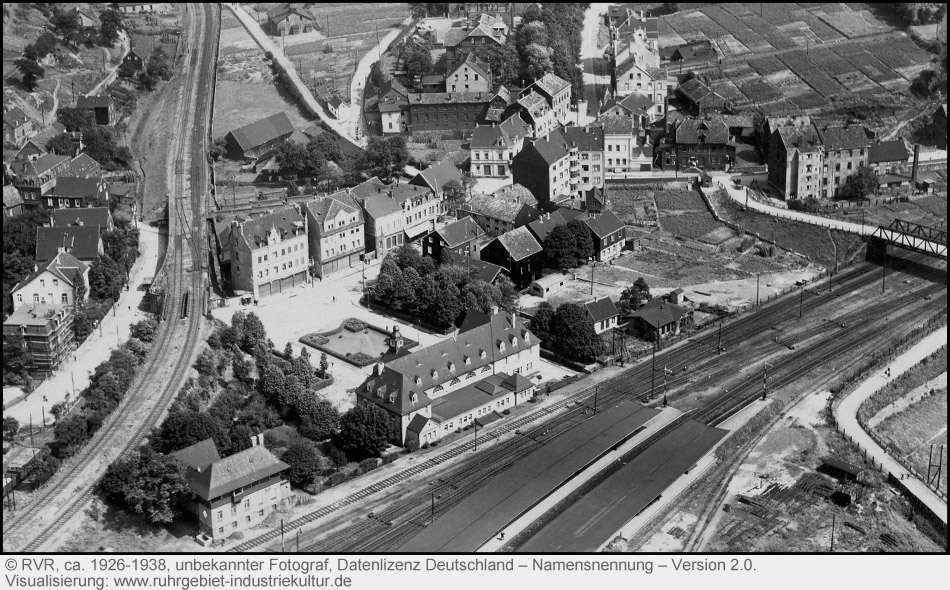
(924, 112)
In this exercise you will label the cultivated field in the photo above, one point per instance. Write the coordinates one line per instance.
(684, 214)
(633, 204)
(911, 432)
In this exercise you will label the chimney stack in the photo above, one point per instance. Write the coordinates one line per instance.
(494, 310)
(913, 174)
(379, 368)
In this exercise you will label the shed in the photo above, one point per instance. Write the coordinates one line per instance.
(840, 470)
(547, 285)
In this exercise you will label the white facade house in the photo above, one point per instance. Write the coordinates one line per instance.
(269, 253)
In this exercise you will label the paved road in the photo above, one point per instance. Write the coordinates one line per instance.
(846, 413)
(254, 29)
(590, 53)
(352, 122)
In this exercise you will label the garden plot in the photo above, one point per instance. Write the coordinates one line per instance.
(760, 91)
(730, 46)
(832, 63)
(633, 205)
(729, 91)
(856, 82)
(767, 66)
(851, 24)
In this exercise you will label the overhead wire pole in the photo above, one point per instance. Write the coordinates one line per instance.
(765, 379)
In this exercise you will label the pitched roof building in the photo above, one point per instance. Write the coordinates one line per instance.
(336, 233)
(607, 232)
(252, 140)
(269, 253)
(71, 191)
(82, 241)
(455, 241)
(603, 314)
(518, 253)
(505, 209)
(437, 175)
(53, 282)
(85, 216)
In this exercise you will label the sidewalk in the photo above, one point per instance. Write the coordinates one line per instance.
(267, 44)
(846, 415)
(71, 378)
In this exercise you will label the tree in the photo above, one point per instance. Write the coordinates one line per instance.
(109, 29)
(503, 59)
(385, 157)
(559, 248)
(417, 60)
(583, 243)
(30, 72)
(69, 435)
(144, 330)
(324, 364)
(375, 79)
(254, 333)
(60, 145)
(319, 418)
(15, 360)
(364, 432)
(328, 144)
(148, 484)
(183, 429)
(156, 69)
(11, 426)
(454, 194)
(67, 25)
(573, 332)
(304, 462)
(106, 279)
(541, 322)
(44, 45)
(859, 185)
(632, 297)
(74, 119)
(536, 61)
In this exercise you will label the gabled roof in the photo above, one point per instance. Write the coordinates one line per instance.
(801, 137)
(636, 102)
(64, 266)
(15, 117)
(328, 207)
(658, 313)
(282, 12)
(487, 271)
(449, 97)
(504, 204)
(83, 164)
(472, 61)
(544, 225)
(39, 167)
(238, 470)
(100, 101)
(534, 103)
(82, 241)
(32, 146)
(601, 309)
(336, 101)
(851, 136)
(11, 197)
(403, 192)
(694, 90)
(551, 84)
(618, 125)
(604, 223)
(519, 243)
(73, 187)
(702, 131)
(82, 216)
(437, 175)
(552, 147)
(367, 188)
(199, 455)
(288, 223)
(585, 139)
(260, 132)
(379, 206)
(417, 424)
(888, 151)
(142, 45)
(459, 232)
(515, 126)
(505, 135)
(454, 36)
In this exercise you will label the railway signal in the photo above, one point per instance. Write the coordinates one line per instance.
(765, 379)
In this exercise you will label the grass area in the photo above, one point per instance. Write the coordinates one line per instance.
(809, 240)
(911, 432)
(690, 225)
(683, 213)
(922, 372)
(634, 205)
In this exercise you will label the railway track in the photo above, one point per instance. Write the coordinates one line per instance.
(175, 342)
(392, 527)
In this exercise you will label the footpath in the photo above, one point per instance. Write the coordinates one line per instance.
(73, 376)
(846, 415)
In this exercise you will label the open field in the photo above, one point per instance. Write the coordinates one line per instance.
(633, 204)
(911, 432)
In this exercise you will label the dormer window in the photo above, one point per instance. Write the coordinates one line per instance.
(418, 380)
(501, 347)
(414, 398)
(482, 354)
(468, 360)
(369, 387)
(527, 337)
(435, 374)
(452, 367)
(514, 341)
(392, 398)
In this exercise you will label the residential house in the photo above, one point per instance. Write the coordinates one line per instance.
(544, 166)
(131, 7)
(888, 157)
(659, 318)
(470, 75)
(269, 253)
(626, 147)
(36, 177)
(535, 110)
(102, 106)
(939, 126)
(257, 138)
(702, 143)
(83, 166)
(700, 99)
(53, 282)
(47, 333)
(87, 18)
(541, 227)
(335, 230)
(337, 106)
(366, 189)
(586, 158)
(30, 150)
(455, 241)
(236, 493)
(289, 20)
(389, 112)
(795, 158)
(99, 216)
(607, 232)
(492, 148)
(420, 206)
(436, 176)
(695, 52)
(518, 253)
(434, 111)
(593, 199)
(557, 92)
(72, 192)
(17, 127)
(385, 224)
(459, 42)
(429, 393)
(603, 314)
(502, 211)
(12, 202)
(84, 242)
(846, 149)
(636, 105)
(142, 47)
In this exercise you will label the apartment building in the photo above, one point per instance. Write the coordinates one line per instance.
(269, 253)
